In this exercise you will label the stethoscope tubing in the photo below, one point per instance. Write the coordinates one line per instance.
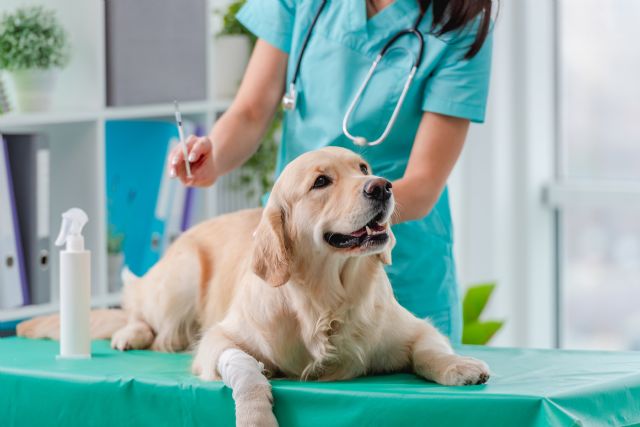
(358, 140)
(388, 47)
(289, 99)
(415, 32)
(305, 42)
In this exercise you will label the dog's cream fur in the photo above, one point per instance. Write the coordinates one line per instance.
(268, 283)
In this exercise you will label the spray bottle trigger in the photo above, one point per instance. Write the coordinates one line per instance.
(64, 232)
(73, 221)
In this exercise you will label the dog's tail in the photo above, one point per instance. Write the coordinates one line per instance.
(103, 323)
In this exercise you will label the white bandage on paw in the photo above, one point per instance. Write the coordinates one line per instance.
(251, 389)
(241, 372)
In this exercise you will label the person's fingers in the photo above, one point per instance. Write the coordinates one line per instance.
(177, 154)
(181, 173)
(177, 167)
(200, 148)
(177, 170)
(174, 159)
(191, 141)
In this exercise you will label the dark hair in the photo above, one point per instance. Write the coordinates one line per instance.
(451, 15)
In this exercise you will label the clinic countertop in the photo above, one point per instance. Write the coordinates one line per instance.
(142, 388)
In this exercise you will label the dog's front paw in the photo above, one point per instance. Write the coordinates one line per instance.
(120, 341)
(132, 337)
(463, 371)
(204, 367)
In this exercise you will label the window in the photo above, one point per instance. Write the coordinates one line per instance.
(599, 139)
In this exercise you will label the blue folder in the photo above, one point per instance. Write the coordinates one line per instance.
(136, 164)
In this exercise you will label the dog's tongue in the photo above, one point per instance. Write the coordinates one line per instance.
(359, 233)
(373, 227)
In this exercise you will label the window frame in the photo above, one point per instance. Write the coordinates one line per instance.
(505, 226)
(564, 191)
(507, 191)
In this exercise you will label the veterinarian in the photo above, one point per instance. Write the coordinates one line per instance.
(448, 92)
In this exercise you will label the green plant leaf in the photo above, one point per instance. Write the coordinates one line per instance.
(32, 38)
(475, 301)
(230, 25)
(480, 333)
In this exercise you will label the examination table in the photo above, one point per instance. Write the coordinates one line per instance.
(142, 388)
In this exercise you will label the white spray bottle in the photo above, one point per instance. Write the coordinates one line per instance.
(75, 287)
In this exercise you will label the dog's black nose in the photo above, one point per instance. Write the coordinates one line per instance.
(377, 189)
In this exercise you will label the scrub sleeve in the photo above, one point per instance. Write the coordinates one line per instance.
(270, 20)
(459, 87)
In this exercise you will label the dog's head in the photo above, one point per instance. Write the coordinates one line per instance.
(326, 203)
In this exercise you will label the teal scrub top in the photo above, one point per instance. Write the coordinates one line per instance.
(340, 51)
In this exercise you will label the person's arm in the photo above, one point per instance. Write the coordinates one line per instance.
(436, 149)
(237, 134)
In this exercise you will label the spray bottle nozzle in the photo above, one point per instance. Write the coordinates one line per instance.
(73, 221)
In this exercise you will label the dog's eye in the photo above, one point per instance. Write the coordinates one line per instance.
(364, 169)
(321, 182)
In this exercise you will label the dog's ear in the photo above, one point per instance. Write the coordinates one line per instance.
(385, 256)
(270, 251)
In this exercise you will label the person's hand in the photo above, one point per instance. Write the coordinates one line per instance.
(200, 157)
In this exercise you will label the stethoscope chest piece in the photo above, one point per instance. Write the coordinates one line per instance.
(289, 98)
(360, 141)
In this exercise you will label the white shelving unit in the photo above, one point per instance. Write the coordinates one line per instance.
(75, 128)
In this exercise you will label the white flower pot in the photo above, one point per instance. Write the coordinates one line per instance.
(230, 61)
(33, 89)
(114, 270)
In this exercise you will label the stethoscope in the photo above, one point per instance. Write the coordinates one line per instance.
(289, 98)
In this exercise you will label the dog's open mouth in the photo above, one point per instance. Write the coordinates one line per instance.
(372, 234)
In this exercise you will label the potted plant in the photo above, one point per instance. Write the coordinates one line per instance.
(33, 45)
(233, 44)
(115, 259)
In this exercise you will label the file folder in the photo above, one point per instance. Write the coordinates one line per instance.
(139, 194)
(171, 209)
(189, 215)
(29, 160)
(13, 280)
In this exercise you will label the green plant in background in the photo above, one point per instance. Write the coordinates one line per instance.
(230, 25)
(115, 241)
(115, 238)
(260, 167)
(32, 38)
(476, 331)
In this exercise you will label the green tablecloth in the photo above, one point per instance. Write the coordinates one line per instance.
(140, 388)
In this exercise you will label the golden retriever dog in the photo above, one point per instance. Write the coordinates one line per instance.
(300, 286)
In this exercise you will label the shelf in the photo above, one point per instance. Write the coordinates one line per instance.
(75, 129)
(21, 120)
(28, 311)
(167, 109)
(17, 120)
